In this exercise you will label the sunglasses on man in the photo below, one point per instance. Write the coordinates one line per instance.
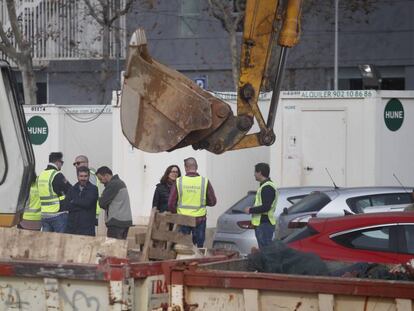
(78, 163)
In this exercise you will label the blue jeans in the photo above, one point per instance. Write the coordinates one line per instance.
(264, 234)
(198, 232)
(55, 224)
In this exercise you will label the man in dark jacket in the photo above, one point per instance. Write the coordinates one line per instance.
(81, 201)
(115, 201)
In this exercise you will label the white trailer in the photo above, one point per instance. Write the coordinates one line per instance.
(361, 137)
(344, 133)
(73, 130)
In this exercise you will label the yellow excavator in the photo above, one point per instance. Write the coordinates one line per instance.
(162, 110)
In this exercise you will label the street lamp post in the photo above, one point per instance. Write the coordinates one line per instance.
(336, 47)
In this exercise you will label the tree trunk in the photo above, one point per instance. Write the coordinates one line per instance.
(29, 81)
(105, 72)
(234, 50)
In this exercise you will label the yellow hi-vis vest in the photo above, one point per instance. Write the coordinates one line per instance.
(49, 200)
(192, 196)
(258, 202)
(33, 212)
(99, 185)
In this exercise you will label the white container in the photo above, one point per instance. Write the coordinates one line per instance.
(345, 133)
(73, 130)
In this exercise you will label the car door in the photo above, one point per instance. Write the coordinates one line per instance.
(16, 154)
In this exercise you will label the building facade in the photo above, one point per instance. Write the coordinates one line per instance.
(184, 35)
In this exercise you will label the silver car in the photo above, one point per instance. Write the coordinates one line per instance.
(342, 201)
(234, 229)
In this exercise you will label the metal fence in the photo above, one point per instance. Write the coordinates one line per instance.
(63, 29)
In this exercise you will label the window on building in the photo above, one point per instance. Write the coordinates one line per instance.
(41, 95)
(386, 84)
(190, 17)
(393, 84)
(355, 84)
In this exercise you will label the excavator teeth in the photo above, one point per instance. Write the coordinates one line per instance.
(138, 38)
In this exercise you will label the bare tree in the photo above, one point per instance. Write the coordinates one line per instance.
(352, 10)
(231, 14)
(230, 19)
(106, 13)
(21, 48)
(20, 52)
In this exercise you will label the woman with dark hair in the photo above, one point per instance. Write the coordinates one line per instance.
(162, 190)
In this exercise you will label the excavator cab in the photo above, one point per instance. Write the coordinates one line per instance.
(162, 110)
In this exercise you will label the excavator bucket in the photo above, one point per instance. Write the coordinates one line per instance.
(160, 108)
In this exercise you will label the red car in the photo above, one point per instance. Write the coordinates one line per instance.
(377, 237)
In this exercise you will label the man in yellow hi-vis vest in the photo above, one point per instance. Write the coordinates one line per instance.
(263, 211)
(53, 186)
(32, 213)
(82, 160)
(190, 196)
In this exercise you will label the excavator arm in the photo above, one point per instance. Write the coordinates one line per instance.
(162, 110)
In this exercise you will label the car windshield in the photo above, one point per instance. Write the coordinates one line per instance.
(314, 202)
(238, 208)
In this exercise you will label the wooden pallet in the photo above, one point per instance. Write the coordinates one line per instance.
(51, 246)
(162, 233)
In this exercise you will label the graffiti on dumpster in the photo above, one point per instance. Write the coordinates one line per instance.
(10, 298)
(80, 301)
